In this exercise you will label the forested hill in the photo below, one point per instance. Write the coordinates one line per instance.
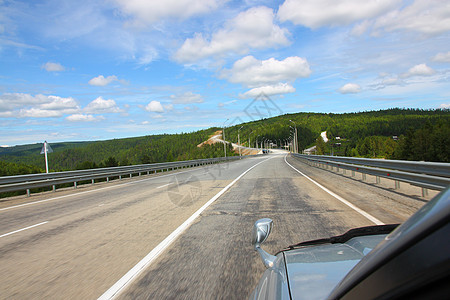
(110, 153)
(422, 135)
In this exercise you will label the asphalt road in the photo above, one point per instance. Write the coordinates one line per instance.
(79, 244)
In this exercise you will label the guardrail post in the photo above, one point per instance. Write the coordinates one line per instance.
(424, 192)
(397, 184)
(107, 179)
(363, 176)
(353, 173)
(54, 188)
(28, 193)
(120, 177)
(93, 181)
(75, 184)
(130, 175)
(378, 179)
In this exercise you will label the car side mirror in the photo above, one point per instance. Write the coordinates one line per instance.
(261, 231)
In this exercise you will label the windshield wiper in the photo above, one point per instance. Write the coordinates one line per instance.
(339, 239)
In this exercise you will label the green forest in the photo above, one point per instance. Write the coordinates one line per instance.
(407, 134)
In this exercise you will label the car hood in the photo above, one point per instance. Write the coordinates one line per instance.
(313, 271)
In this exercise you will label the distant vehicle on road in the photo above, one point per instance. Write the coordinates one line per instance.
(410, 261)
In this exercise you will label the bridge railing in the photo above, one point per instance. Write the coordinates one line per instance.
(428, 175)
(31, 181)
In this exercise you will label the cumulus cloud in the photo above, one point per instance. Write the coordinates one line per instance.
(350, 88)
(101, 105)
(186, 98)
(154, 106)
(318, 13)
(251, 29)
(53, 67)
(445, 106)
(253, 73)
(269, 90)
(426, 16)
(419, 70)
(146, 12)
(20, 105)
(83, 118)
(442, 57)
(102, 81)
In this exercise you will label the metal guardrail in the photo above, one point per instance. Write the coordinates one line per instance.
(428, 175)
(31, 181)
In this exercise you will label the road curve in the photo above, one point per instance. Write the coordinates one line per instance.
(79, 244)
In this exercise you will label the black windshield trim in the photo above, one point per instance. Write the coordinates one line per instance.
(340, 239)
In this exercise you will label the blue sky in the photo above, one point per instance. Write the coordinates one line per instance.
(90, 70)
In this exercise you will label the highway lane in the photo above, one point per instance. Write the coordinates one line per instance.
(214, 259)
(95, 235)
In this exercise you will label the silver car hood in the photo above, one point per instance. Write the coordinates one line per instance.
(313, 271)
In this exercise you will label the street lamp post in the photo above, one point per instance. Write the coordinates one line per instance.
(223, 136)
(295, 138)
(239, 141)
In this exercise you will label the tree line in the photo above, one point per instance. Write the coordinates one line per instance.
(420, 135)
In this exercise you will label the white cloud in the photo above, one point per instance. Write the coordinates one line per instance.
(39, 113)
(102, 81)
(269, 90)
(20, 105)
(445, 106)
(53, 67)
(154, 106)
(419, 70)
(350, 88)
(442, 57)
(58, 103)
(256, 73)
(101, 105)
(147, 12)
(83, 118)
(318, 13)
(187, 98)
(425, 16)
(251, 29)
(361, 28)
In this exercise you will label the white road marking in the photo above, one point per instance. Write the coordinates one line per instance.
(161, 186)
(158, 250)
(29, 227)
(352, 206)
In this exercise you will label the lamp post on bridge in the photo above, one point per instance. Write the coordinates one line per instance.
(295, 138)
(223, 136)
(239, 141)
